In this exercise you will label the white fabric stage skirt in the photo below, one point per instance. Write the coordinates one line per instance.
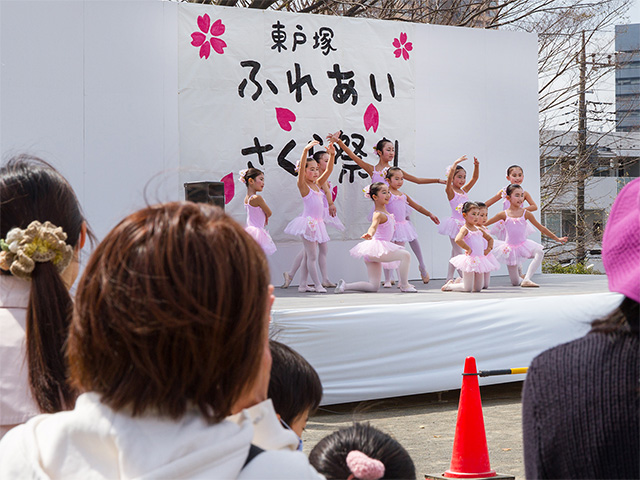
(379, 351)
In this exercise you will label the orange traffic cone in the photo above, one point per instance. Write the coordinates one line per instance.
(470, 457)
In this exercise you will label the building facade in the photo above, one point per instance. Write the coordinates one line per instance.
(627, 41)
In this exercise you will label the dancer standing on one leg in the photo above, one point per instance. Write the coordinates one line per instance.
(405, 231)
(516, 246)
(475, 262)
(457, 189)
(377, 250)
(258, 212)
(310, 225)
(330, 219)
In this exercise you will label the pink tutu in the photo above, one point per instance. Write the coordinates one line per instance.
(450, 227)
(372, 250)
(263, 238)
(333, 221)
(404, 232)
(514, 254)
(475, 264)
(310, 228)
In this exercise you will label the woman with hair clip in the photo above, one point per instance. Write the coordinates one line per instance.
(41, 233)
(169, 346)
(581, 400)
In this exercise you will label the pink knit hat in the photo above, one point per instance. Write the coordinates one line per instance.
(621, 242)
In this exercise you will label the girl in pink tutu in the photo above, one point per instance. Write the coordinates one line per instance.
(515, 176)
(310, 225)
(330, 218)
(377, 250)
(457, 189)
(258, 212)
(516, 246)
(405, 231)
(475, 262)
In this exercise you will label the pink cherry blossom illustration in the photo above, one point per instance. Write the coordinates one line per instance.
(285, 118)
(199, 39)
(371, 118)
(229, 187)
(402, 46)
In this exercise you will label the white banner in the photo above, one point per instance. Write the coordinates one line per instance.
(256, 86)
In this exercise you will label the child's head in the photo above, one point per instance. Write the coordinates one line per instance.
(172, 313)
(385, 150)
(395, 177)
(471, 212)
(322, 157)
(515, 194)
(311, 169)
(386, 457)
(253, 178)
(294, 387)
(379, 192)
(515, 174)
(483, 213)
(459, 176)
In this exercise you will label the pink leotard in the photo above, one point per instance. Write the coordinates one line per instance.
(256, 220)
(379, 176)
(404, 231)
(476, 262)
(516, 246)
(451, 226)
(310, 224)
(380, 244)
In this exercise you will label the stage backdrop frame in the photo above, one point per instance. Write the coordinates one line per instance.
(125, 140)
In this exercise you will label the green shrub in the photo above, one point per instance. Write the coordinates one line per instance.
(578, 268)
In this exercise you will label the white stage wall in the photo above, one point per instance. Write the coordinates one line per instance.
(381, 351)
(116, 96)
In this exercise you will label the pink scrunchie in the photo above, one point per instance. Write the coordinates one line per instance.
(364, 467)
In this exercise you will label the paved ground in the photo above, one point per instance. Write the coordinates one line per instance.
(425, 426)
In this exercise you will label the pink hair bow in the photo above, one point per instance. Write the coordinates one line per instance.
(364, 467)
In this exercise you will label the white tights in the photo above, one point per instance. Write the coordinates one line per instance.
(471, 282)
(309, 265)
(514, 274)
(374, 270)
(323, 248)
(415, 246)
(455, 250)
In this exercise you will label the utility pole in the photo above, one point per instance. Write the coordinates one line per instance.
(581, 228)
(585, 152)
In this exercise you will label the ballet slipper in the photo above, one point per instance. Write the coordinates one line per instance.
(425, 276)
(340, 286)
(306, 288)
(386, 284)
(287, 280)
(320, 290)
(446, 286)
(328, 284)
(528, 283)
(408, 288)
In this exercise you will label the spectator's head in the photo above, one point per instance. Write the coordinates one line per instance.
(172, 313)
(621, 243)
(294, 387)
(361, 452)
(42, 229)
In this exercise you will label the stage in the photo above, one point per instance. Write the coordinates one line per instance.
(388, 344)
